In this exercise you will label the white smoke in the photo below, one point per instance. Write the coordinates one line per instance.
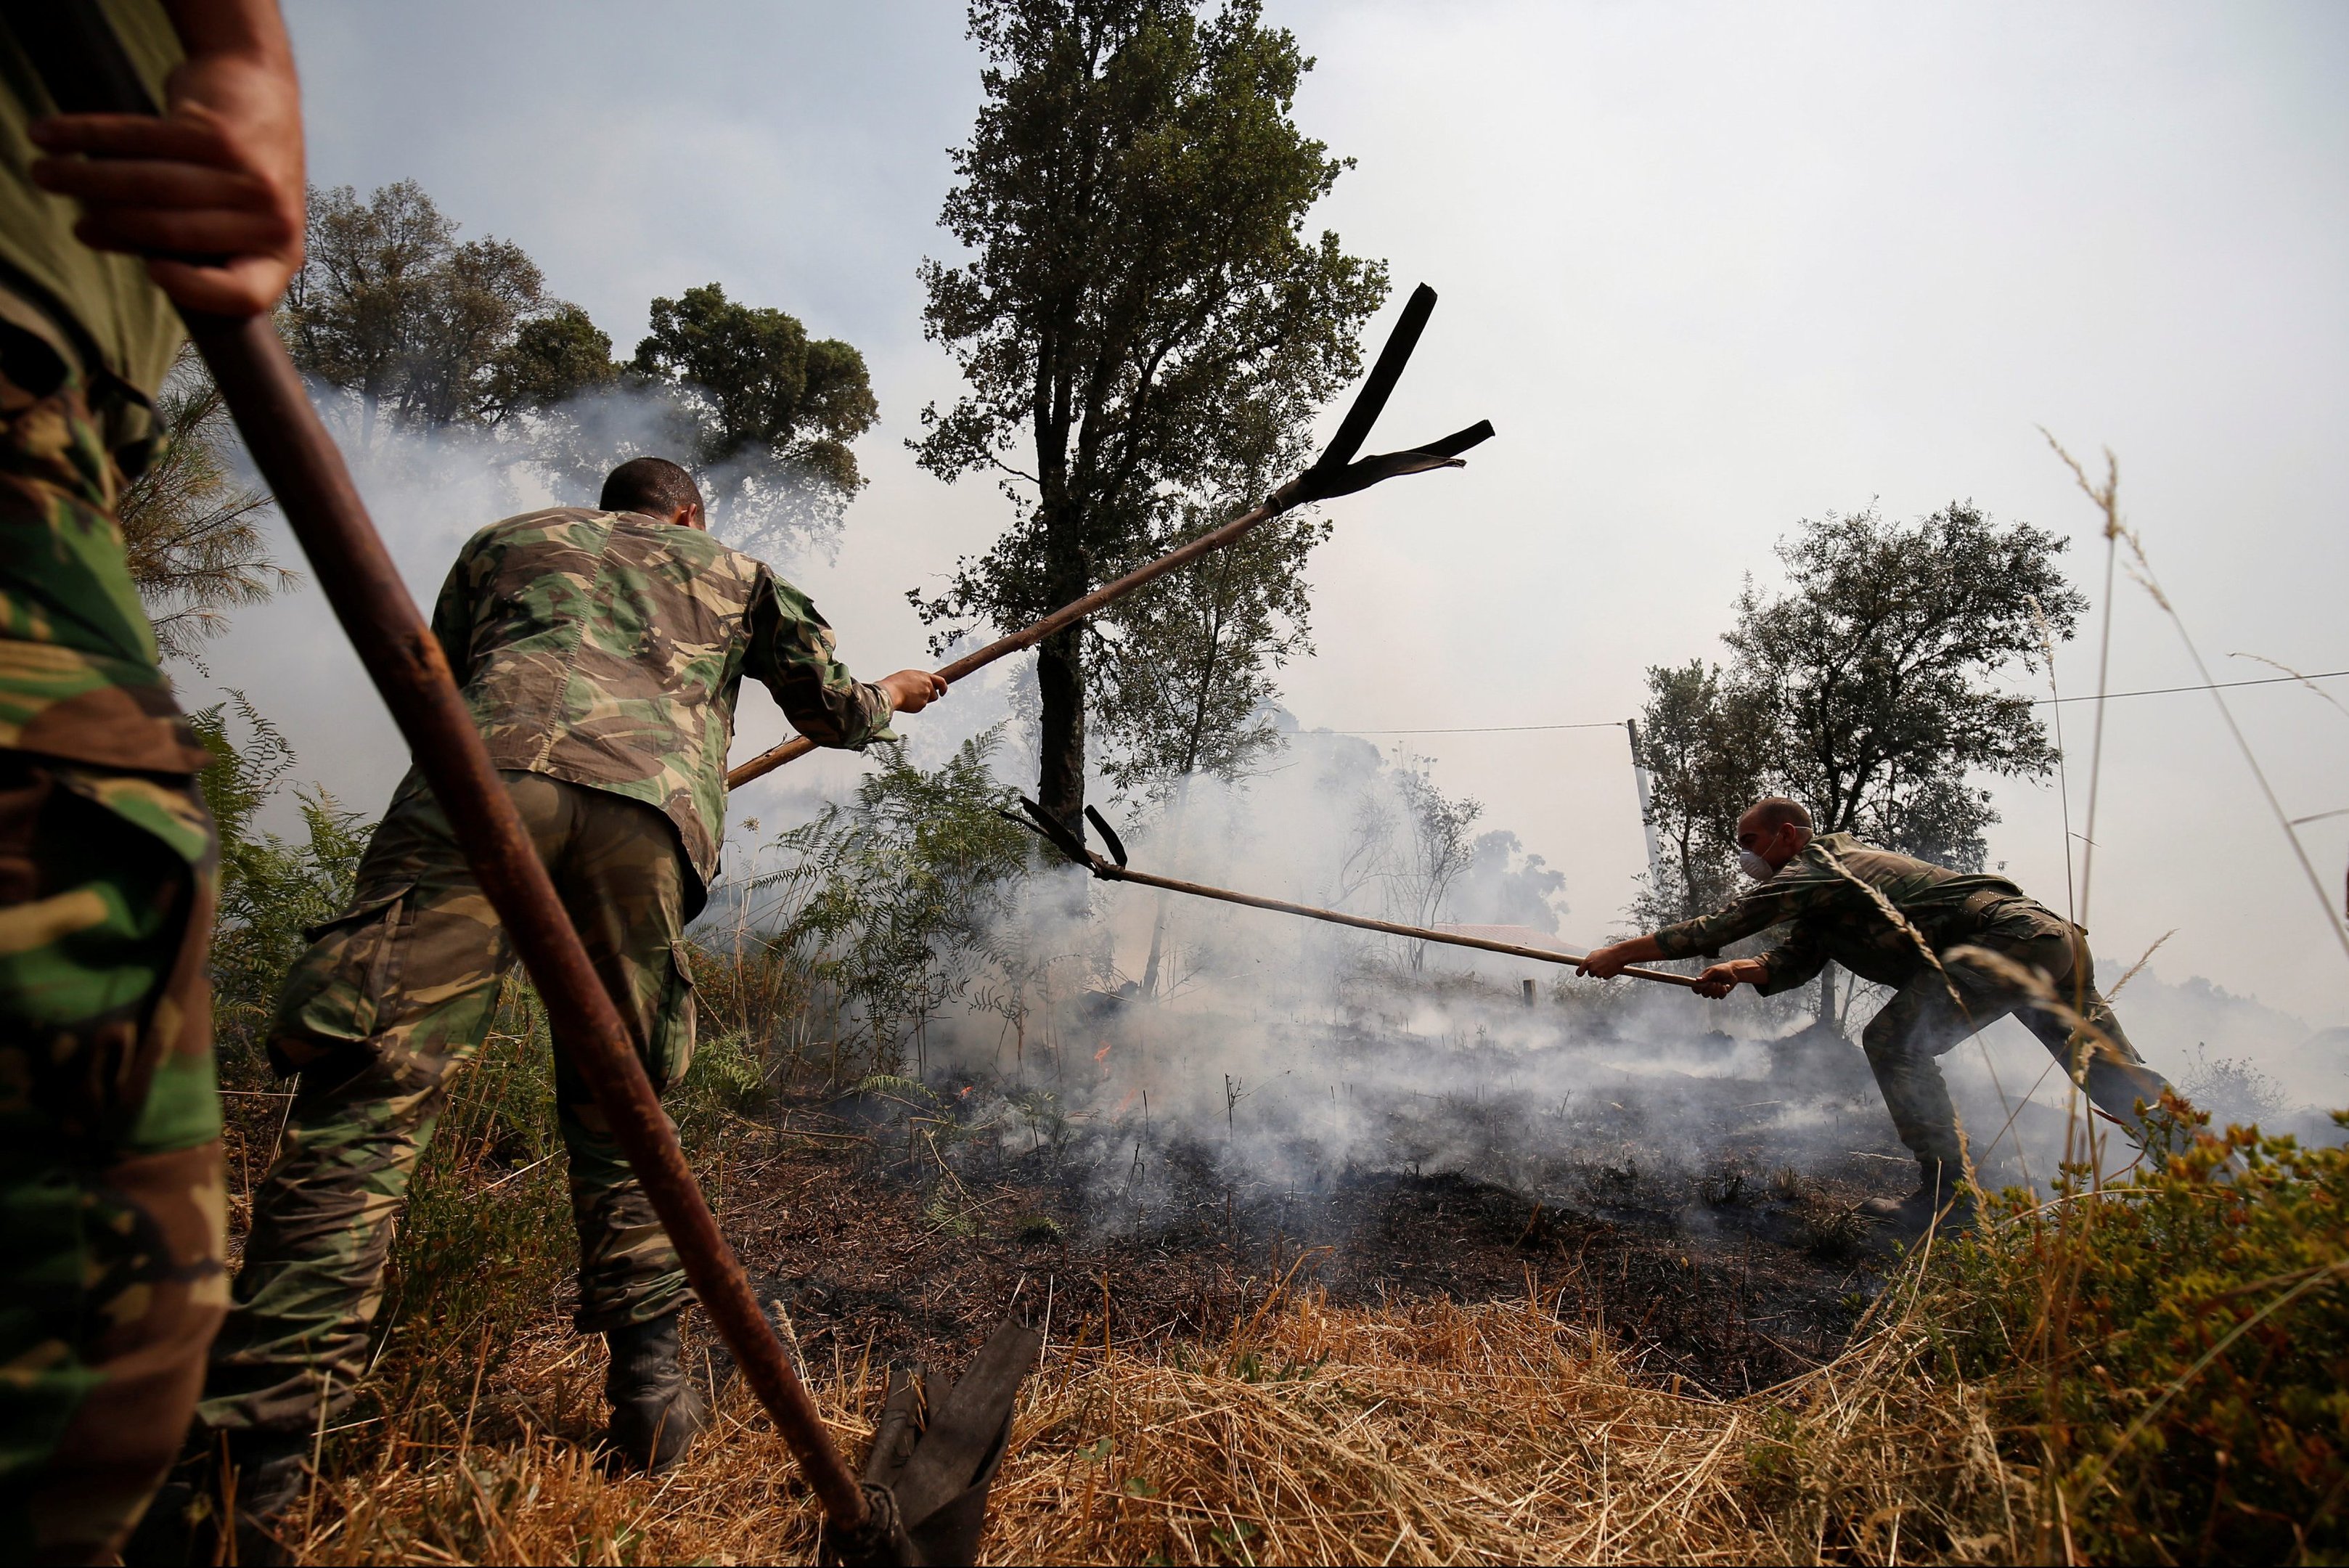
(1282, 1049)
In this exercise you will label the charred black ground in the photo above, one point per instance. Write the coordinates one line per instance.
(1714, 1245)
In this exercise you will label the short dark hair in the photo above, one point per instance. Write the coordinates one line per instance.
(1776, 811)
(652, 485)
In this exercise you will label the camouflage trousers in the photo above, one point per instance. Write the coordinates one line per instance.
(1922, 1022)
(112, 1194)
(393, 997)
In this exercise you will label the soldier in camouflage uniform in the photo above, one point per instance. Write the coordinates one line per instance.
(601, 653)
(1889, 919)
(111, 1190)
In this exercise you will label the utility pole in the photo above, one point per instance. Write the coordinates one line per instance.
(1647, 819)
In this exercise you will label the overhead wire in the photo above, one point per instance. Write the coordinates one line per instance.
(2035, 702)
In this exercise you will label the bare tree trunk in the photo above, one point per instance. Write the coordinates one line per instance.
(1158, 922)
(1061, 684)
(1157, 945)
(1826, 998)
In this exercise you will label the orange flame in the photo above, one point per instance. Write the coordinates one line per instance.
(1102, 1054)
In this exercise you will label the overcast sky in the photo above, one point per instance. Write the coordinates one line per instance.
(1710, 270)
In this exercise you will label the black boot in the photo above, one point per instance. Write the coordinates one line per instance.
(267, 1472)
(656, 1408)
(271, 1471)
(1940, 1201)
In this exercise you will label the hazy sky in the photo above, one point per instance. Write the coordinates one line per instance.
(1710, 270)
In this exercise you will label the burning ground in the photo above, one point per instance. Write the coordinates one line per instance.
(1675, 1227)
(1693, 1207)
(1458, 1280)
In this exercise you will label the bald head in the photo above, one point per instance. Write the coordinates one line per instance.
(1774, 829)
(1775, 811)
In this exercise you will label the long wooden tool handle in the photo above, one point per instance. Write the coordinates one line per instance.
(1363, 923)
(83, 64)
(1068, 615)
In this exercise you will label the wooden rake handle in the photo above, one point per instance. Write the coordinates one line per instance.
(1070, 842)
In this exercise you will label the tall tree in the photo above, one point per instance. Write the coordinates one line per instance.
(1186, 667)
(771, 410)
(425, 331)
(552, 360)
(191, 528)
(1141, 293)
(1877, 663)
(1187, 685)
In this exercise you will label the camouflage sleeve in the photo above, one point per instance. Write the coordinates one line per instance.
(1708, 934)
(791, 651)
(1803, 887)
(1797, 959)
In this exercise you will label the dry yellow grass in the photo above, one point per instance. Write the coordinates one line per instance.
(1432, 1432)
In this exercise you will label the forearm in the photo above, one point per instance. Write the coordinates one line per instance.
(791, 653)
(846, 715)
(1708, 934)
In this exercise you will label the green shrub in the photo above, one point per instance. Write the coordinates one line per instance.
(2177, 1343)
(272, 889)
(880, 913)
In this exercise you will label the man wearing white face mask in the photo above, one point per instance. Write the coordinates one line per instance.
(1891, 918)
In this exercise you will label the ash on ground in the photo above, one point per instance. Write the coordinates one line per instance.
(1698, 1202)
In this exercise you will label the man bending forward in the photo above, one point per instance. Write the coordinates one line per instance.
(1889, 919)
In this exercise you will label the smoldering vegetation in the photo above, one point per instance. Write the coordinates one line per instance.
(1131, 1029)
(1056, 1079)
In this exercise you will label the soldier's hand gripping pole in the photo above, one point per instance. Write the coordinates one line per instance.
(83, 66)
(1335, 473)
(1069, 842)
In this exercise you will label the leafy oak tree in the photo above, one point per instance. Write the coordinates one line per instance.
(1140, 294)
(768, 411)
(424, 331)
(1705, 745)
(1878, 670)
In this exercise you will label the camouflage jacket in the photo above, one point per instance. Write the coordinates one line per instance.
(607, 648)
(1822, 897)
(85, 341)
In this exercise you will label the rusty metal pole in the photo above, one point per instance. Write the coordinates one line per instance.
(82, 64)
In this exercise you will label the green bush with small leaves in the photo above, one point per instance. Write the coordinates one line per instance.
(2177, 1344)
